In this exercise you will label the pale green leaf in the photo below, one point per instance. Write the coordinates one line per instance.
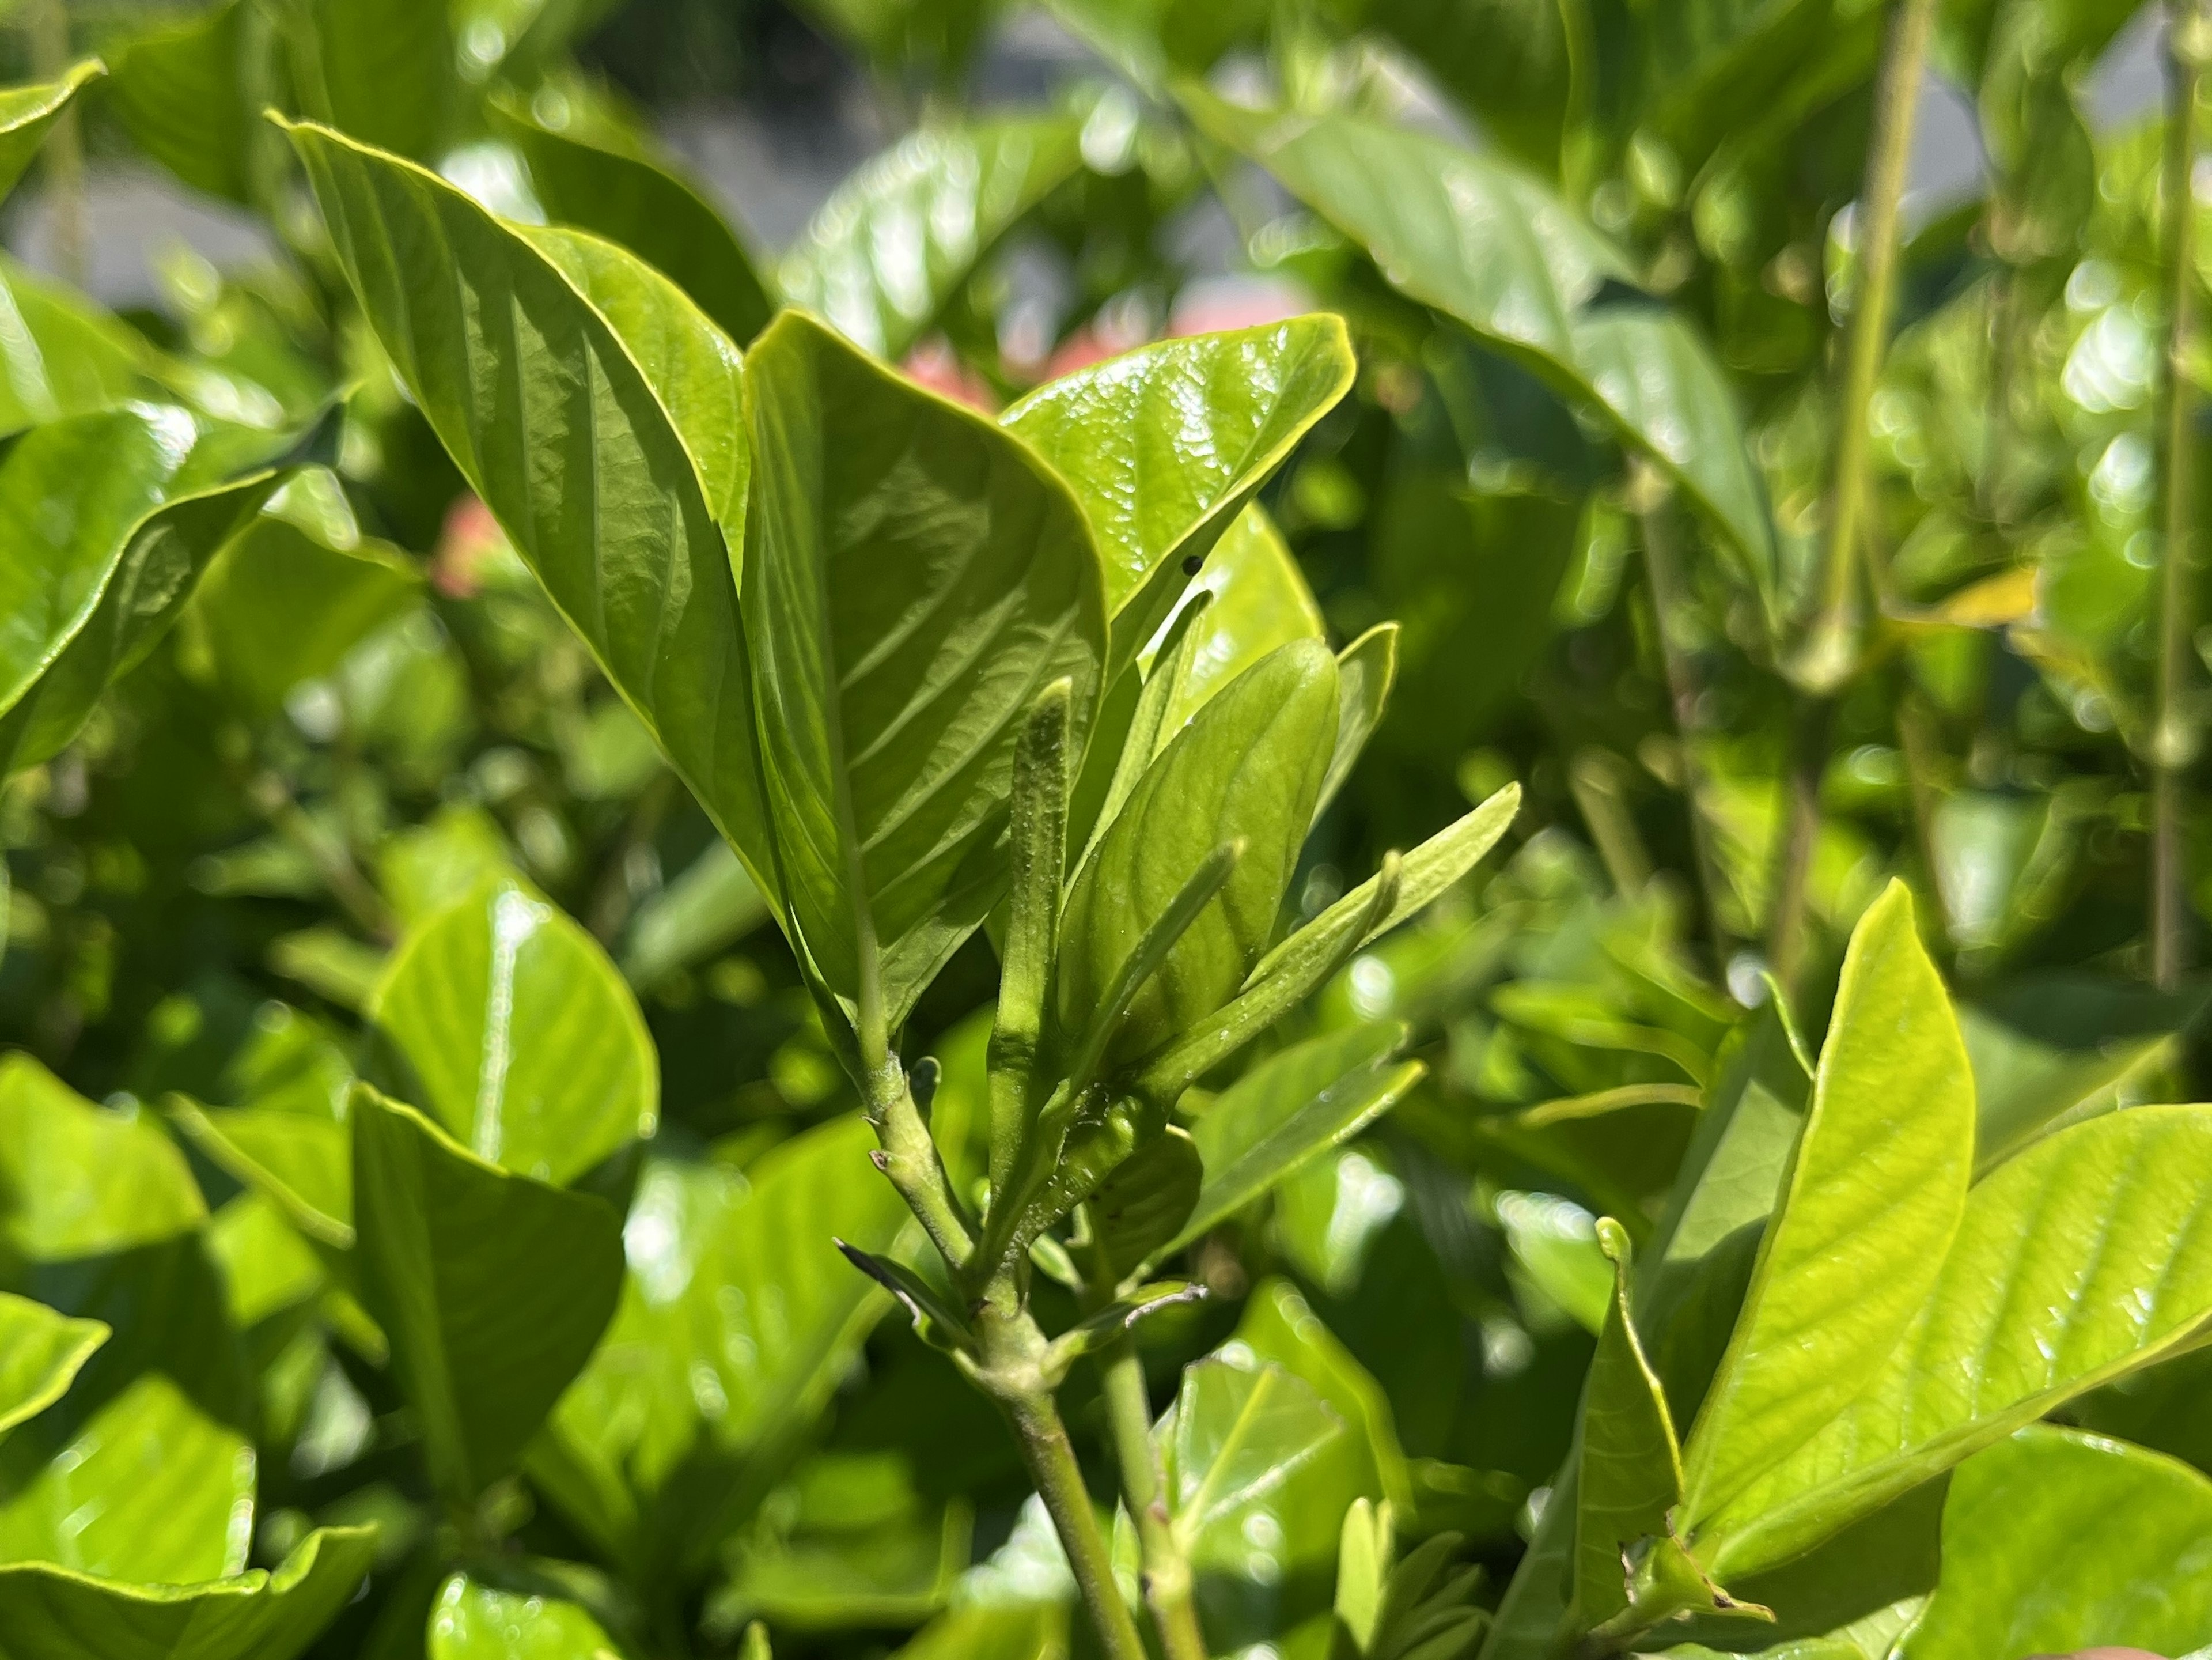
(1553, 1244)
(1247, 769)
(557, 427)
(1280, 1328)
(1366, 669)
(50, 1613)
(27, 113)
(510, 1026)
(1139, 1210)
(1287, 1111)
(302, 1163)
(899, 238)
(1874, 1193)
(1260, 601)
(914, 578)
(2054, 1541)
(2077, 1262)
(475, 1619)
(1165, 447)
(62, 355)
(1629, 1474)
(493, 1288)
(41, 1352)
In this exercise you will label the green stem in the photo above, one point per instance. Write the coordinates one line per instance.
(2172, 737)
(907, 1154)
(1051, 1460)
(1831, 651)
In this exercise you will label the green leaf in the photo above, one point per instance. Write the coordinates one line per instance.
(492, 1288)
(1511, 67)
(1166, 446)
(303, 1164)
(1148, 40)
(383, 71)
(1495, 249)
(898, 238)
(1366, 671)
(1118, 1318)
(62, 355)
(1044, 763)
(51, 1613)
(1280, 1329)
(1287, 1111)
(40, 1353)
(1137, 1211)
(1553, 1244)
(1247, 768)
(1874, 1193)
(706, 908)
(1260, 1472)
(475, 1620)
(914, 578)
(2054, 1541)
(738, 1320)
(556, 425)
(1259, 602)
(156, 573)
(182, 91)
(510, 1026)
(279, 606)
(1630, 1474)
(2075, 1263)
(27, 113)
(592, 173)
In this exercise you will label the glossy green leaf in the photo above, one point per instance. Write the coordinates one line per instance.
(27, 113)
(1259, 602)
(1629, 1474)
(41, 1352)
(493, 1288)
(898, 238)
(738, 1319)
(2075, 1262)
(476, 1620)
(145, 591)
(61, 356)
(182, 90)
(1495, 249)
(1287, 1111)
(510, 1026)
(1166, 446)
(559, 430)
(602, 178)
(1280, 1328)
(51, 1613)
(1874, 1193)
(1260, 1472)
(888, 743)
(1247, 769)
(2054, 1541)
(280, 606)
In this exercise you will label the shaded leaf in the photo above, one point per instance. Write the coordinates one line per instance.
(1139, 1209)
(41, 1352)
(182, 91)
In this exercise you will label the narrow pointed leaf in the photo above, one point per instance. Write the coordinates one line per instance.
(1631, 1474)
(915, 577)
(51, 1613)
(1043, 768)
(41, 1352)
(1165, 446)
(934, 1320)
(1873, 1196)
(900, 237)
(599, 177)
(556, 425)
(1287, 1111)
(1259, 602)
(2076, 1262)
(1247, 768)
(1115, 1320)
(512, 1027)
(1366, 669)
(493, 1288)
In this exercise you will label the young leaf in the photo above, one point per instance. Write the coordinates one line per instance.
(1259, 601)
(596, 174)
(550, 418)
(1165, 446)
(1631, 1469)
(1873, 1196)
(508, 1022)
(738, 1320)
(1246, 769)
(27, 113)
(1365, 670)
(303, 1164)
(40, 1353)
(898, 238)
(493, 1288)
(934, 1320)
(2054, 1541)
(1287, 1111)
(915, 577)
(1043, 765)
(53, 1613)
(1118, 1317)
(2075, 1263)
